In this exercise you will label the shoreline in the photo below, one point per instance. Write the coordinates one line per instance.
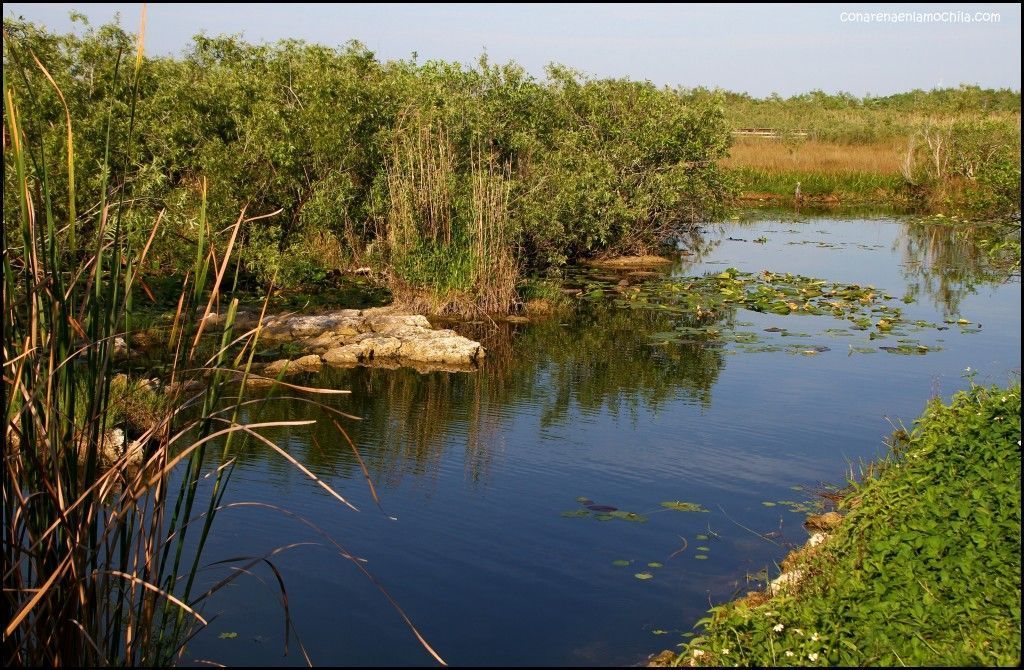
(923, 568)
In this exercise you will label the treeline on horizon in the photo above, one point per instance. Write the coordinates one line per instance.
(452, 182)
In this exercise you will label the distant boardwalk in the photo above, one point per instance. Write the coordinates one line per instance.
(766, 132)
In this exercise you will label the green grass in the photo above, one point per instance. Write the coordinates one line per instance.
(925, 569)
(850, 187)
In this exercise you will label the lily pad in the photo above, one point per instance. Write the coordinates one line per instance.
(681, 506)
(621, 563)
(644, 575)
(629, 516)
(655, 564)
(228, 636)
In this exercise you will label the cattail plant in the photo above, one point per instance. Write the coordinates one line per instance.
(102, 541)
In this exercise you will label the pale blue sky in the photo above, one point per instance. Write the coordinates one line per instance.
(759, 49)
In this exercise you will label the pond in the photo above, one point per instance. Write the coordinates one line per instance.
(504, 548)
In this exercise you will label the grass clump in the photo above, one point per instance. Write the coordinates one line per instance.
(924, 570)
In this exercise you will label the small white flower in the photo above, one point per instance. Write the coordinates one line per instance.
(697, 653)
(814, 636)
(725, 650)
(778, 628)
(798, 631)
(813, 656)
(790, 654)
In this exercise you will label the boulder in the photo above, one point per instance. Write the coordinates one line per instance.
(369, 336)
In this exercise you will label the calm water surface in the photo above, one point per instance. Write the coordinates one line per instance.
(479, 467)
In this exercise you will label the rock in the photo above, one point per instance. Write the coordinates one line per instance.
(133, 453)
(342, 356)
(665, 659)
(308, 363)
(816, 539)
(188, 386)
(787, 581)
(390, 323)
(443, 348)
(369, 336)
(823, 522)
(276, 368)
(113, 445)
(111, 449)
(258, 382)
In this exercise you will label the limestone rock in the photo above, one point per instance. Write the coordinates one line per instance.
(308, 363)
(275, 368)
(823, 522)
(375, 336)
(786, 582)
(665, 659)
(816, 539)
(445, 347)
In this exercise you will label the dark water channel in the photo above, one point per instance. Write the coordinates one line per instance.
(493, 557)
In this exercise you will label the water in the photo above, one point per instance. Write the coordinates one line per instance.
(479, 468)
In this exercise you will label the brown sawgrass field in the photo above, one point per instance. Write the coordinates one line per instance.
(883, 158)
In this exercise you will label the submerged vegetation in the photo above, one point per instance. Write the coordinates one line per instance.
(923, 570)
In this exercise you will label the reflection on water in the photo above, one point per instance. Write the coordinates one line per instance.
(597, 360)
(947, 263)
(480, 467)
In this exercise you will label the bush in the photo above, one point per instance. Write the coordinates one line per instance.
(451, 179)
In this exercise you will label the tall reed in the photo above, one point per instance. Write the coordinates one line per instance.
(102, 542)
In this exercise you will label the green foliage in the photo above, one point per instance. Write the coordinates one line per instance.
(449, 179)
(848, 187)
(925, 570)
(103, 538)
(971, 165)
(847, 119)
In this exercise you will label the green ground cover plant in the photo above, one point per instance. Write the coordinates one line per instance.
(924, 569)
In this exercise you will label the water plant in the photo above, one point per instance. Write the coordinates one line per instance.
(103, 539)
(923, 570)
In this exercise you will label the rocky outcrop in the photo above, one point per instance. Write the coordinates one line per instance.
(376, 336)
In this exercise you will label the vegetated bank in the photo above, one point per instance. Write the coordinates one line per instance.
(953, 150)
(925, 568)
(450, 183)
(454, 185)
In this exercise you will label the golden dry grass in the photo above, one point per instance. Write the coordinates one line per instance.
(814, 156)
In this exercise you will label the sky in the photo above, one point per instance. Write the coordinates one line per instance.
(759, 49)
